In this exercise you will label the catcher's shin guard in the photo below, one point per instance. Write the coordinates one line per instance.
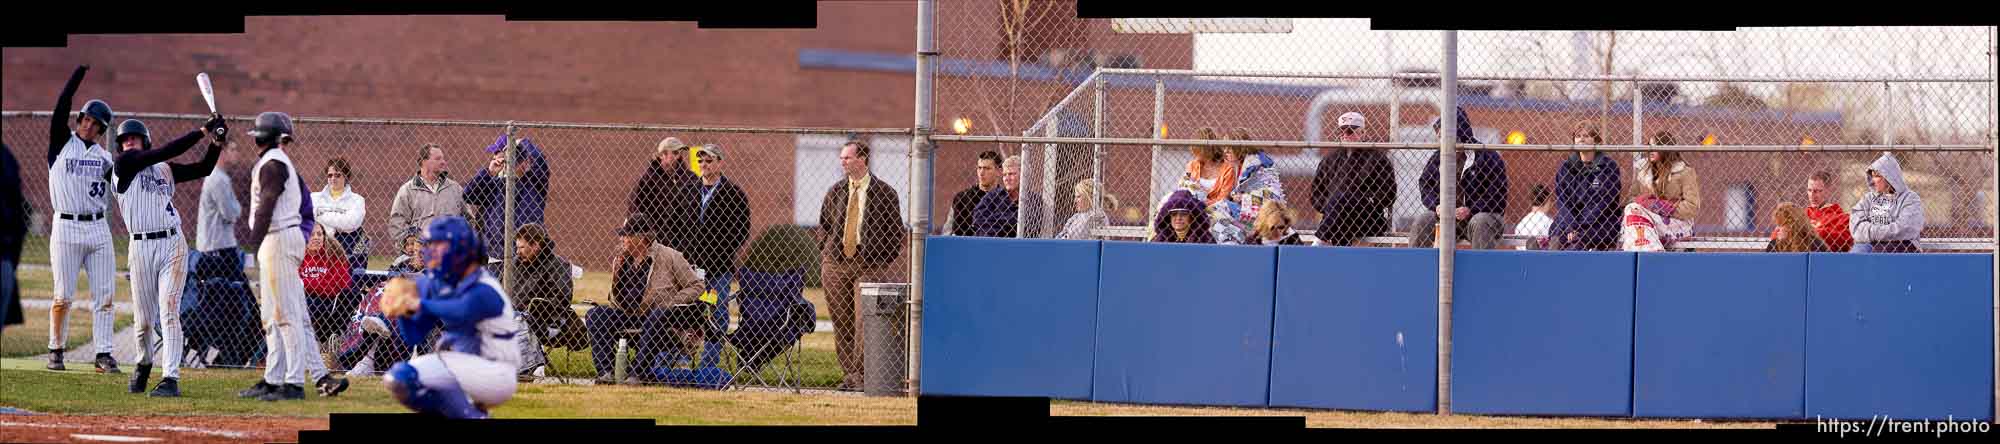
(445, 400)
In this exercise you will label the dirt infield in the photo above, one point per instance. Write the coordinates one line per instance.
(191, 429)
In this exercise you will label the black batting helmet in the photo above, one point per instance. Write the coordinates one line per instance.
(272, 128)
(133, 127)
(97, 109)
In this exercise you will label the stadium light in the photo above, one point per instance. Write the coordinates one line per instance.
(961, 125)
(1517, 138)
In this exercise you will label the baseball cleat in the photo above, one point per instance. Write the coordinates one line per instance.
(285, 392)
(256, 391)
(331, 386)
(168, 388)
(140, 373)
(55, 360)
(105, 364)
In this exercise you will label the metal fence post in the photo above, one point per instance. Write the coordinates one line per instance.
(1447, 238)
(1097, 150)
(1993, 141)
(921, 155)
(1153, 166)
(1638, 115)
(507, 227)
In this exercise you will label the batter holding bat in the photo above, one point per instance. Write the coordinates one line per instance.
(158, 253)
(474, 367)
(79, 237)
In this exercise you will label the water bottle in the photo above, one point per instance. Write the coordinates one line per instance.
(618, 369)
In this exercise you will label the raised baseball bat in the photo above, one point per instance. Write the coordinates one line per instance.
(207, 90)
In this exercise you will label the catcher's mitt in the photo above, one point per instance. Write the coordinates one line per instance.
(399, 297)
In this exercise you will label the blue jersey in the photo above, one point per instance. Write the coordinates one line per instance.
(476, 316)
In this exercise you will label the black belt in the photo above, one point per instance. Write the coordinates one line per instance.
(274, 230)
(162, 234)
(80, 217)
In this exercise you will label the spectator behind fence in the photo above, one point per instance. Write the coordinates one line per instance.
(862, 229)
(1088, 216)
(337, 206)
(486, 194)
(411, 261)
(1890, 216)
(721, 226)
(432, 193)
(1211, 170)
(665, 192)
(1825, 215)
(1537, 222)
(986, 173)
(327, 277)
(1257, 182)
(1667, 188)
(1274, 226)
(1792, 232)
(1588, 191)
(1482, 194)
(996, 214)
(649, 281)
(1352, 188)
(1182, 220)
(543, 289)
(225, 313)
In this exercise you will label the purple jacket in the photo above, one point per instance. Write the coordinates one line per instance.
(1163, 227)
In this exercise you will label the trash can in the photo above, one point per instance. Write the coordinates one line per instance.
(883, 322)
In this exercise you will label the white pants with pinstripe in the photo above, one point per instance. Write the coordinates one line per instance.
(82, 246)
(159, 269)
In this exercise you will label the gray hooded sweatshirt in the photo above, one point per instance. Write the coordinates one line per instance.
(1897, 216)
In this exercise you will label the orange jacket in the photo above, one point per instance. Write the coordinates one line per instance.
(1223, 185)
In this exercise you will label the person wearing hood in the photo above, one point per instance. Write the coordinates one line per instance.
(340, 208)
(996, 213)
(1183, 221)
(665, 193)
(431, 194)
(1669, 188)
(1588, 189)
(1482, 194)
(487, 192)
(1352, 188)
(1890, 217)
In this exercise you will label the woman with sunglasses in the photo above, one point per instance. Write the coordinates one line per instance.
(341, 209)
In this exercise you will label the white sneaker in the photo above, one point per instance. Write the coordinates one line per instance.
(364, 368)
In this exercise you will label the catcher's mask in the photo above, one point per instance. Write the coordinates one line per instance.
(453, 246)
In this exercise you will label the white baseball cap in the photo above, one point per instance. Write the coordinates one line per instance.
(1353, 119)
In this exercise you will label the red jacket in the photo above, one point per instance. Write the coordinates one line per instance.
(324, 275)
(1830, 222)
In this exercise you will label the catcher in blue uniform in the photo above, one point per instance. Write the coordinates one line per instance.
(474, 366)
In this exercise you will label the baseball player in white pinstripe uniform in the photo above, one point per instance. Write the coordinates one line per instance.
(158, 261)
(80, 238)
(281, 210)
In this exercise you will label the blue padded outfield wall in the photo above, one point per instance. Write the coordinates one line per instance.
(1356, 329)
(1016, 317)
(1542, 333)
(1184, 324)
(1720, 335)
(1905, 335)
(1689, 335)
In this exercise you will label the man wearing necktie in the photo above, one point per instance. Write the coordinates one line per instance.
(863, 225)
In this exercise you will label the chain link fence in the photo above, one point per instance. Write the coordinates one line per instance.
(725, 281)
(1754, 115)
